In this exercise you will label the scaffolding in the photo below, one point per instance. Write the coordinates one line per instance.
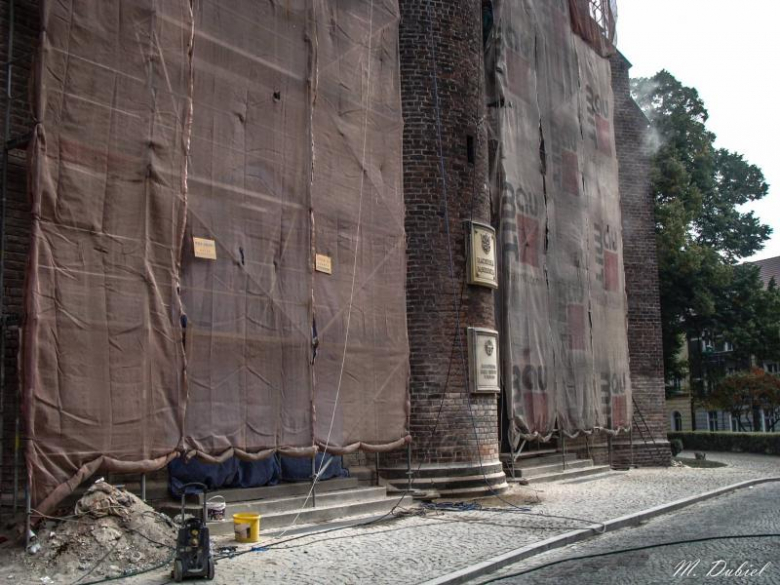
(604, 12)
(12, 466)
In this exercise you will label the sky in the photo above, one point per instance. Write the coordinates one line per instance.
(730, 51)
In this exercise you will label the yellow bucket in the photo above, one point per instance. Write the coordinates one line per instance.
(246, 527)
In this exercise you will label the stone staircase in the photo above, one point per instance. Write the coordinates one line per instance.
(333, 500)
(548, 465)
(447, 480)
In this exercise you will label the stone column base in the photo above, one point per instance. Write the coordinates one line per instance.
(448, 480)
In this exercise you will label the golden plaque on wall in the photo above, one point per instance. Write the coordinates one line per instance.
(204, 248)
(323, 263)
(481, 254)
(484, 372)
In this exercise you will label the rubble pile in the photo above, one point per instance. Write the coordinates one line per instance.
(112, 533)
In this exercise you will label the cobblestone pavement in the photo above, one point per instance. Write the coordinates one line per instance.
(749, 511)
(413, 549)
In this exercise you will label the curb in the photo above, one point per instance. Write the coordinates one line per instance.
(494, 563)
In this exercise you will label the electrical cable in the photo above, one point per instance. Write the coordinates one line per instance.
(316, 477)
(385, 516)
(630, 550)
(457, 342)
(164, 563)
(99, 562)
(153, 541)
(456, 335)
(79, 517)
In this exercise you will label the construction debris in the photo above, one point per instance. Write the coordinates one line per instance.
(112, 533)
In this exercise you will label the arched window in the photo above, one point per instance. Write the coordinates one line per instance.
(676, 421)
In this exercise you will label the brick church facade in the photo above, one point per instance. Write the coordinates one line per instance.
(456, 435)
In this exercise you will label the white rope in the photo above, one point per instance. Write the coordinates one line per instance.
(366, 95)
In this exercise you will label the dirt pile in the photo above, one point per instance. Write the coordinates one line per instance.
(112, 533)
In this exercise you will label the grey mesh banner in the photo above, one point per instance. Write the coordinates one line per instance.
(554, 175)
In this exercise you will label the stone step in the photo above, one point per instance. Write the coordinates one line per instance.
(286, 502)
(439, 470)
(564, 475)
(471, 492)
(451, 483)
(541, 460)
(278, 505)
(593, 477)
(280, 490)
(364, 474)
(269, 523)
(528, 454)
(548, 468)
(448, 479)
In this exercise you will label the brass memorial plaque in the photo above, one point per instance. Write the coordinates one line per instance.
(323, 263)
(483, 360)
(481, 255)
(206, 249)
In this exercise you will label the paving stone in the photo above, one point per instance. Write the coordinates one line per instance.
(413, 549)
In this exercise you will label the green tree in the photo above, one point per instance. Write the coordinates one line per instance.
(745, 393)
(702, 234)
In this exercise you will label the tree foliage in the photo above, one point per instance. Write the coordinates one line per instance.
(746, 392)
(702, 233)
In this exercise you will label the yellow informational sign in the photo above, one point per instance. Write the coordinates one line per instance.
(206, 249)
(323, 264)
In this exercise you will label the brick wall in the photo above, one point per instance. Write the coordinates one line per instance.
(17, 221)
(439, 306)
(634, 152)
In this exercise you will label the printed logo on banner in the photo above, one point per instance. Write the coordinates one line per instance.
(528, 233)
(610, 271)
(521, 237)
(599, 129)
(603, 135)
(517, 73)
(565, 160)
(613, 390)
(575, 319)
(530, 383)
(519, 56)
(606, 256)
(619, 411)
(563, 74)
(570, 167)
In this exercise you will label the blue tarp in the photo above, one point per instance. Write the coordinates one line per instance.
(299, 469)
(230, 474)
(234, 473)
